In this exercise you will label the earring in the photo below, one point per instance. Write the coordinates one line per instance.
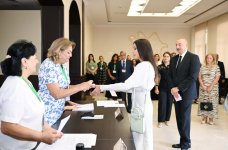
(25, 67)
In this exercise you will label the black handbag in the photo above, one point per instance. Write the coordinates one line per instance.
(206, 106)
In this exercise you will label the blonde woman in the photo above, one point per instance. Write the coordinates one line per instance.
(208, 79)
(54, 81)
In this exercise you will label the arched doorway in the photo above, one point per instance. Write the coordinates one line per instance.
(76, 60)
(75, 35)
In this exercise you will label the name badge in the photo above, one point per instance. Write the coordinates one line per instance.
(114, 71)
(123, 70)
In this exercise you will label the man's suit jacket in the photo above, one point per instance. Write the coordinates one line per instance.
(222, 70)
(185, 76)
(121, 77)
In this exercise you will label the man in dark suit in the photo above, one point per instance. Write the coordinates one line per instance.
(184, 73)
(221, 79)
(124, 71)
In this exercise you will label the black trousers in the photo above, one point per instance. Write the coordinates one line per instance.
(165, 101)
(129, 103)
(222, 89)
(183, 117)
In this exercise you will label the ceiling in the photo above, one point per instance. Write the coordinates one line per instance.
(106, 12)
(27, 4)
(114, 12)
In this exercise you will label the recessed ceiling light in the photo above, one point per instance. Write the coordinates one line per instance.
(137, 6)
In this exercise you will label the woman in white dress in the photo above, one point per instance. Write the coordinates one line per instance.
(141, 81)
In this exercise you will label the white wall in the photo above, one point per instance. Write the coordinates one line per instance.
(108, 40)
(211, 37)
(19, 24)
(217, 38)
(88, 39)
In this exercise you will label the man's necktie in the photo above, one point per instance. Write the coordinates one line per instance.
(179, 61)
(124, 64)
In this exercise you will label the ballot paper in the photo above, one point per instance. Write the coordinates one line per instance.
(84, 107)
(63, 122)
(113, 93)
(94, 117)
(69, 142)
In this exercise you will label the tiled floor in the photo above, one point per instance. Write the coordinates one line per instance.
(203, 136)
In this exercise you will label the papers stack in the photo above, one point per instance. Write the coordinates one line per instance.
(110, 104)
(69, 142)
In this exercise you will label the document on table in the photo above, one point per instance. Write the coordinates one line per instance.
(69, 141)
(106, 103)
(110, 104)
(95, 117)
(115, 105)
(84, 107)
(63, 122)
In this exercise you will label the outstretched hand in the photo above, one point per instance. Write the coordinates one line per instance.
(96, 91)
(87, 85)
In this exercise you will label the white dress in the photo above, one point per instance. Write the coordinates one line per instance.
(18, 104)
(142, 80)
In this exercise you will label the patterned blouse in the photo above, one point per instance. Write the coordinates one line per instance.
(52, 73)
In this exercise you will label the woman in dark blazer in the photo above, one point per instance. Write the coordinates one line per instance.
(112, 67)
(164, 91)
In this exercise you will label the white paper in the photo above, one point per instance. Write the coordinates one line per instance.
(104, 103)
(84, 107)
(69, 141)
(95, 117)
(117, 112)
(113, 93)
(115, 105)
(120, 145)
(63, 122)
(179, 98)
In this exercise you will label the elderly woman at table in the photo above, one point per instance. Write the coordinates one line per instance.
(54, 81)
(21, 109)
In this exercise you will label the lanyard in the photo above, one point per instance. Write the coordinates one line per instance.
(64, 73)
(32, 88)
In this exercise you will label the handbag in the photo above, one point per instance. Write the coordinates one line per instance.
(137, 120)
(206, 106)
